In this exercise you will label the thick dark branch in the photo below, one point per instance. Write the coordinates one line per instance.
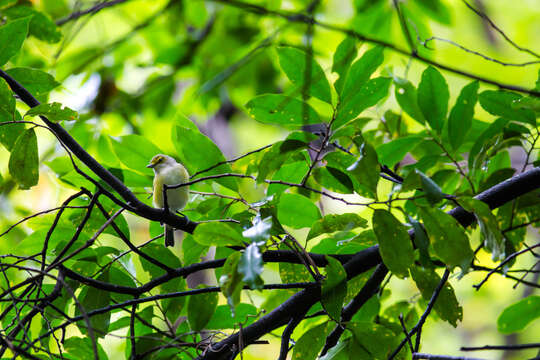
(135, 301)
(366, 259)
(501, 193)
(370, 288)
(298, 303)
(136, 206)
(286, 335)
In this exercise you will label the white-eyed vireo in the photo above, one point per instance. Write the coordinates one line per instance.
(168, 172)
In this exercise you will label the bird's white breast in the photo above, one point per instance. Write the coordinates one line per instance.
(176, 198)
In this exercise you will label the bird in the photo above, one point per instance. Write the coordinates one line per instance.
(167, 171)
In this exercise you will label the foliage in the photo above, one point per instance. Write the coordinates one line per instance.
(309, 145)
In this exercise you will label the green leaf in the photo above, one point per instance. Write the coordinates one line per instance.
(407, 98)
(281, 110)
(338, 352)
(222, 318)
(390, 316)
(24, 161)
(483, 142)
(370, 310)
(37, 82)
(366, 170)
(436, 10)
(172, 306)
(343, 57)
(198, 152)
(448, 238)
(7, 3)
(294, 64)
(260, 231)
(292, 172)
(460, 119)
(366, 96)
(7, 102)
(271, 161)
(334, 288)
(163, 254)
(117, 276)
(9, 133)
(332, 223)
(82, 348)
(251, 267)
(192, 250)
(12, 36)
(200, 309)
(518, 315)
(395, 245)
(135, 152)
(297, 211)
(121, 323)
(446, 305)
(489, 226)
(290, 273)
(53, 112)
(528, 103)
(231, 281)
(393, 124)
(311, 342)
(421, 241)
(433, 192)
(433, 97)
(334, 180)
(360, 72)
(394, 151)
(373, 18)
(496, 177)
(373, 340)
(90, 299)
(501, 103)
(41, 26)
(218, 234)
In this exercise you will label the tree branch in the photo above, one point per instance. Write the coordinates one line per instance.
(91, 10)
(137, 206)
(366, 259)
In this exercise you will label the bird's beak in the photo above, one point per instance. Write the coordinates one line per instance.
(151, 166)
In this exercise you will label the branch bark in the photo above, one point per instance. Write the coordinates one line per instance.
(363, 261)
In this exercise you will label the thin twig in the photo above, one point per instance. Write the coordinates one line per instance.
(295, 17)
(496, 28)
(502, 263)
(423, 318)
(91, 10)
(441, 357)
(485, 57)
(501, 347)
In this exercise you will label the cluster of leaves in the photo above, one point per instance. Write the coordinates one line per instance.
(338, 138)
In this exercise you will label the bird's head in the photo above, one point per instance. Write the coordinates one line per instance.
(161, 161)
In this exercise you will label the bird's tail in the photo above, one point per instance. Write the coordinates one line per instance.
(169, 235)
